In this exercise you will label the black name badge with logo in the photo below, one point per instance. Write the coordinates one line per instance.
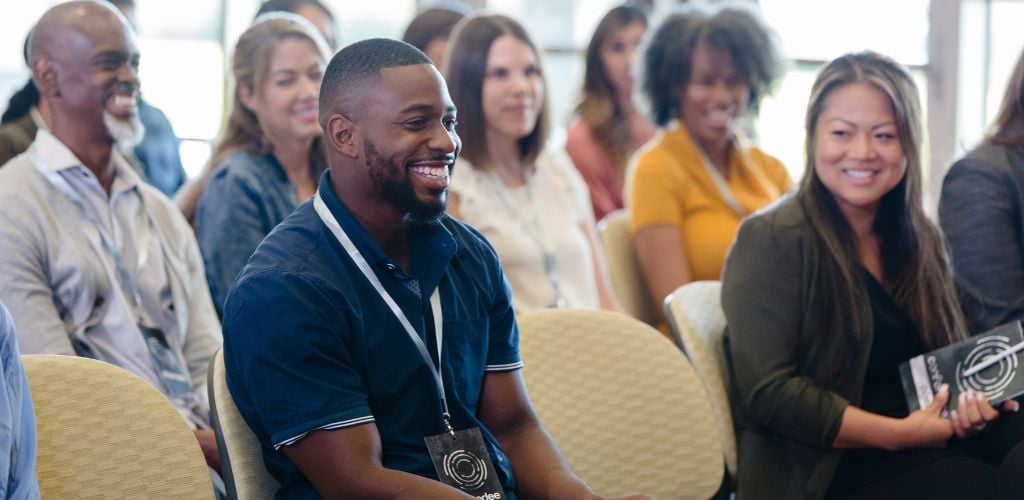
(462, 462)
(171, 373)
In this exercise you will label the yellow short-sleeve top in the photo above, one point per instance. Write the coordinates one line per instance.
(667, 183)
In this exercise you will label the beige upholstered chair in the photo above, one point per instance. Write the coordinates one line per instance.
(694, 313)
(627, 410)
(627, 279)
(245, 476)
(105, 433)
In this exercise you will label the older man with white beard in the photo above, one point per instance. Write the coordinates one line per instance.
(92, 261)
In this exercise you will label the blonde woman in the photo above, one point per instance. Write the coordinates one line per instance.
(269, 158)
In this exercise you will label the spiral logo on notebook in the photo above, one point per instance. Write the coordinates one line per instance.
(466, 469)
(991, 381)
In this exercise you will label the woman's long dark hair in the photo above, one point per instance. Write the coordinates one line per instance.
(598, 107)
(1007, 129)
(21, 102)
(914, 258)
(464, 70)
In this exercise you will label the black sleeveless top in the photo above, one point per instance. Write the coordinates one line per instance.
(896, 339)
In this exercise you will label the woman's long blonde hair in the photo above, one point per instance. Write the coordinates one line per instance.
(250, 66)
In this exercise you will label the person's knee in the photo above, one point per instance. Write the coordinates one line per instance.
(1011, 474)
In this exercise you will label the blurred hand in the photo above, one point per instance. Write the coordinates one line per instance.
(208, 442)
(974, 414)
(925, 428)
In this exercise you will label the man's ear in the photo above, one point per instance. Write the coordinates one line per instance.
(44, 74)
(342, 135)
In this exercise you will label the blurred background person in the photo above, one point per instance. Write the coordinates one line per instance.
(158, 153)
(314, 11)
(532, 205)
(430, 29)
(18, 446)
(981, 210)
(25, 114)
(269, 157)
(609, 126)
(706, 68)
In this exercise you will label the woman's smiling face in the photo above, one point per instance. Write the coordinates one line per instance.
(858, 154)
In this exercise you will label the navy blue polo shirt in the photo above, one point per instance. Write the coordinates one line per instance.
(309, 344)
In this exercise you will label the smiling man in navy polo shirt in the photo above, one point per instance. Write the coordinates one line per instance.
(331, 331)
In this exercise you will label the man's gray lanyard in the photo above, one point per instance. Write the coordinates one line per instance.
(170, 370)
(533, 229)
(435, 302)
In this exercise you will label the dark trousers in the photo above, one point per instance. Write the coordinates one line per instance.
(988, 465)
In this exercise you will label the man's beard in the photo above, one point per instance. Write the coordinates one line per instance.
(399, 192)
(126, 133)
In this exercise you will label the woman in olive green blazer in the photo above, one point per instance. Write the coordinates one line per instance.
(813, 283)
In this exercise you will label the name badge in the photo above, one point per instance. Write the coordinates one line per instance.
(173, 376)
(462, 462)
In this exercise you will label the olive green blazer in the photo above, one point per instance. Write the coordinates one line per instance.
(787, 422)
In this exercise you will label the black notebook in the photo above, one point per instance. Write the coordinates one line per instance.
(923, 375)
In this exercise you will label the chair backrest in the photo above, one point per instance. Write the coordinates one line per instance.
(106, 433)
(628, 412)
(694, 313)
(623, 268)
(245, 475)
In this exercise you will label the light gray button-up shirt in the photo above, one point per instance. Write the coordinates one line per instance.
(62, 285)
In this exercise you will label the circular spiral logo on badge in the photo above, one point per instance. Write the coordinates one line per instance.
(991, 381)
(466, 469)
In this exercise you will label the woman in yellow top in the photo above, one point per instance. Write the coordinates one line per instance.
(688, 188)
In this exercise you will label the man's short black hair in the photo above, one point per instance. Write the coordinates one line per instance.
(354, 65)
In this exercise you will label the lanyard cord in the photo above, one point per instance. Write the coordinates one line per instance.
(435, 303)
(533, 229)
(125, 276)
(720, 184)
(723, 188)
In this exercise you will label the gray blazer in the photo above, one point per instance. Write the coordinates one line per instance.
(56, 290)
(981, 211)
(788, 423)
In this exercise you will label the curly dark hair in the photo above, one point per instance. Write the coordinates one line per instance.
(734, 27)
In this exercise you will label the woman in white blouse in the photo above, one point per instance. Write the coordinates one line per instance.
(531, 204)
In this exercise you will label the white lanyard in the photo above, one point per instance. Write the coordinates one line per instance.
(435, 301)
(720, 184)
(533, 230)
(124, 274)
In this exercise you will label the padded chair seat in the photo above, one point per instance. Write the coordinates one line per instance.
(695, 315)
(106, 433)
(625, 407)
